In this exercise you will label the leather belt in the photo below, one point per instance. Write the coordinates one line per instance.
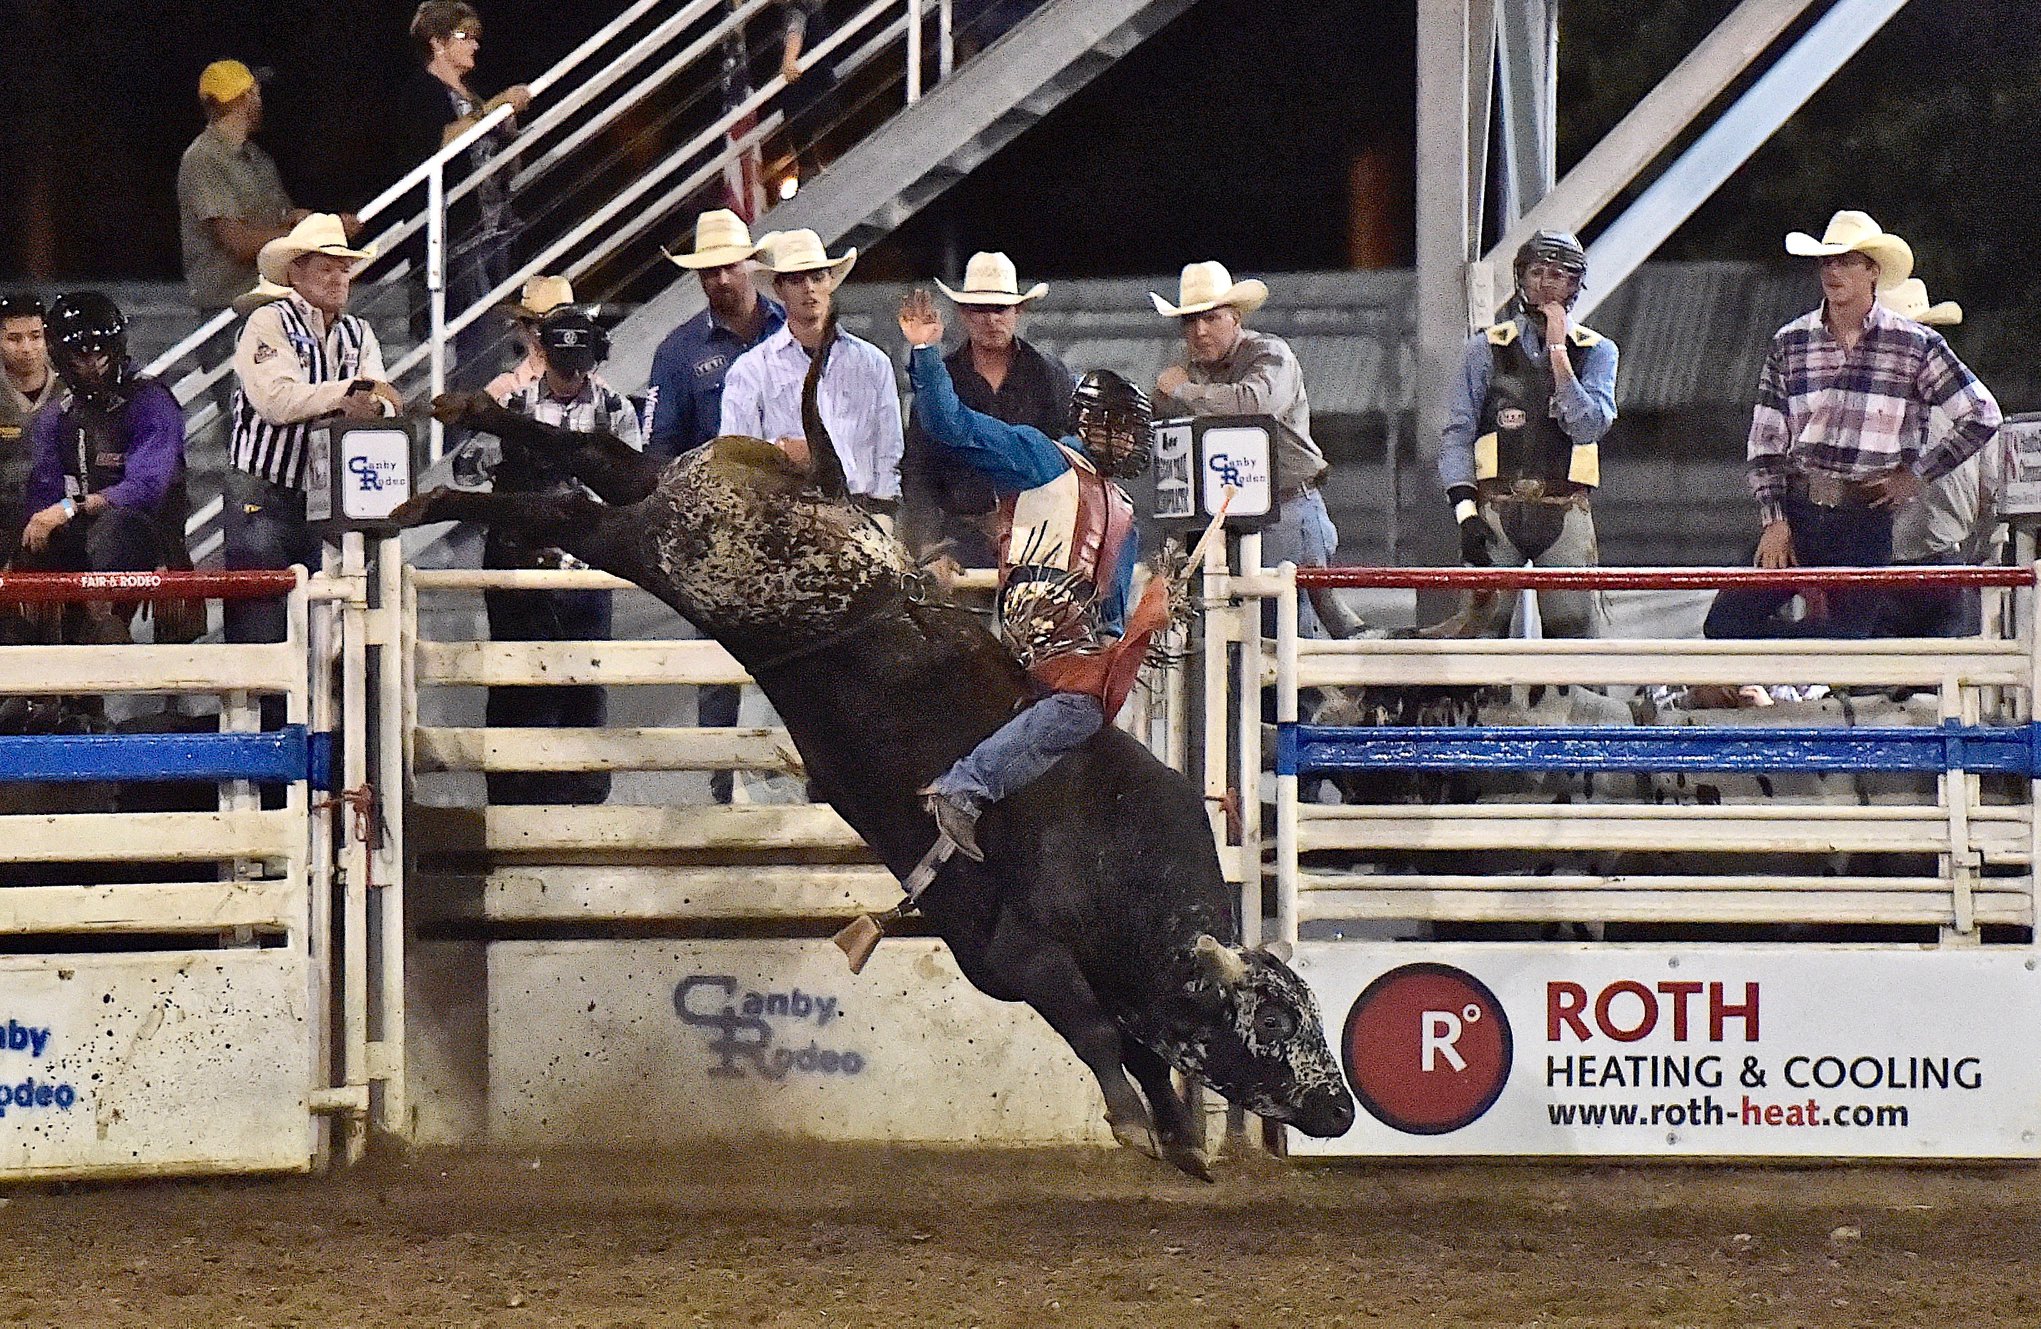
(1830, 491)
(1534, 491)
(1299, 490)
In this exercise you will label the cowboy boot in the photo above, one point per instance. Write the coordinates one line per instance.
(955, 818)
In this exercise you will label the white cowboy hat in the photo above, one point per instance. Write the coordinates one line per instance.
(1855, 233)
(257, 296)
(320, 233)
(721, 237)
(1909, 299)
(1206, 286)
(540, 297)
(784, 252)
(989, 279)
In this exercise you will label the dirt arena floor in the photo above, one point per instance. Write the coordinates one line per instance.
(873, 1237)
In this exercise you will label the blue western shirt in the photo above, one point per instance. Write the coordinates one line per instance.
(1015, 458)
(687, 378)
(1585, 408)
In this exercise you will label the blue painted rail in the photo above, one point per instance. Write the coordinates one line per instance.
(2011, 749)
(276, 756)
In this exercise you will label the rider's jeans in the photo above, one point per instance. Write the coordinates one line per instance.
(1019, 751)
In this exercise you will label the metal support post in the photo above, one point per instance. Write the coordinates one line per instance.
(1442, 254)
(1247, 781)
(435, 294)
(1288, 816)
(355, 858)
(913, 51)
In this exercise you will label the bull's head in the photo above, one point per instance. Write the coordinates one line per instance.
(1246, 1025)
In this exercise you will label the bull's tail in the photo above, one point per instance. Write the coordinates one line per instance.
(828, 466)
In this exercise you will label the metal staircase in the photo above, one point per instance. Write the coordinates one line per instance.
(907, 162)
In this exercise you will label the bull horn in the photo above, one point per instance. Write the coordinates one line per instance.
(1281, 950)
(1219, 960)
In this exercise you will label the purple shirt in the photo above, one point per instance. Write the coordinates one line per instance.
(155, 450)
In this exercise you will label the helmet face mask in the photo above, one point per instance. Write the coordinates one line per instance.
(88, 346)
(1115, 422)
(1559, 249)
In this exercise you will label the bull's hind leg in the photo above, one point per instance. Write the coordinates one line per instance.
(1046, 976)
(1180, 1131)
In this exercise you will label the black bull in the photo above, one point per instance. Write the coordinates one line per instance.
(1101, 903)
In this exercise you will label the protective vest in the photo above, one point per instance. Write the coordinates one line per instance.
(1060, 546)
(1520, 437)
(94, 451)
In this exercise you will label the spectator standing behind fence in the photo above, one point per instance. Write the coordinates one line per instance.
(1954, 519)
(858, 396)
(1839, 439)
(1520, 455)
(434, 107)
(1231, 371)
(26, 382)
(571, 395)
(689, 368)
(106, 485)
(688, 371)
(301, 362)
(945, 502)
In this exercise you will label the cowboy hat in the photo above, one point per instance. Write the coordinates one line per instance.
(540, 297)
(1909, 299)
(721, 237)
(320, 233)
(989, 279)
(1206, 286)
(257, 296)
(785, 252)
(1855, 233)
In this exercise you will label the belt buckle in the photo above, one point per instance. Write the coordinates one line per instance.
(1527, 491)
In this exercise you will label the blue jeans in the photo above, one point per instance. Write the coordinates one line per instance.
(264, 527)
(1822, 537)
(1022, 749)
(1302, 533)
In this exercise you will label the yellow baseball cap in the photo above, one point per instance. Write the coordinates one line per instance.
(224, 80)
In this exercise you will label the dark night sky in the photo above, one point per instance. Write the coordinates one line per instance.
(1230, 132)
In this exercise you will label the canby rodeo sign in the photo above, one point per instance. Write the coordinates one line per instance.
(1750, 1051)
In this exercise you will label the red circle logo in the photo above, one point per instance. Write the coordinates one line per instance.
(1428, 1048)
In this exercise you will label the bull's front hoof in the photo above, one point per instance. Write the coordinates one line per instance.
(1190, 1160)
(1135, 1135)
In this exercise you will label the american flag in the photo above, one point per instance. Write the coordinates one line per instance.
(743, 167)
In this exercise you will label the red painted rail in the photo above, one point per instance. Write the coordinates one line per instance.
(1658, 579)
(47, 587)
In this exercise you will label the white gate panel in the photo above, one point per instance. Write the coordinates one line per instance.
(1786, 1050)
(682, 1042)
(154, 1063)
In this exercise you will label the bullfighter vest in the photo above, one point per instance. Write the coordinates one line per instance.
(1519, 436)
(1060, 544)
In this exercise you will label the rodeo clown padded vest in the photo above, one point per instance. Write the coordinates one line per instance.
(1060, 546)
(1519, 438)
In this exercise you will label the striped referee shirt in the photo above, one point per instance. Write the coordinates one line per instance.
(291, 370)
(1854, 413)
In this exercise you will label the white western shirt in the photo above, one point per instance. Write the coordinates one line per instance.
(859, 399)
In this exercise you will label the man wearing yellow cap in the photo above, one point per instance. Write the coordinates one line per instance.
(230, 199)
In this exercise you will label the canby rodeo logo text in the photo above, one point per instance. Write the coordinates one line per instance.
(1428, 1048)
(744, 1040)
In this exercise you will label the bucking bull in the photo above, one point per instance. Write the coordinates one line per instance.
(1100, 904)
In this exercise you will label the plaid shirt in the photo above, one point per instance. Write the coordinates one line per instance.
(1852, 414)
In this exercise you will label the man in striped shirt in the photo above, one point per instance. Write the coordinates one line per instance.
(302, 361)
(1839, 440)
